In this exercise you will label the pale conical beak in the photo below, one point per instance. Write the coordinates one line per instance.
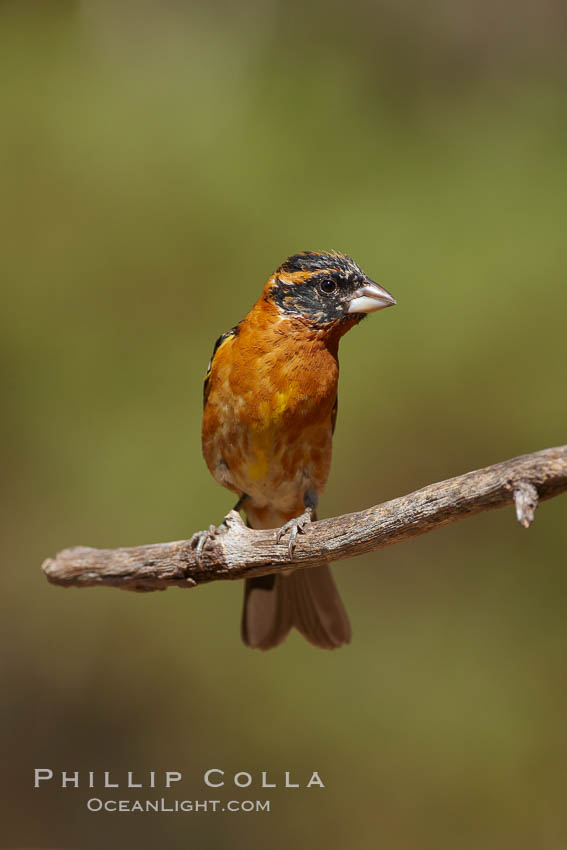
(369, 298)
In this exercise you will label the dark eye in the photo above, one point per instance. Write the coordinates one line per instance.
(327, 286)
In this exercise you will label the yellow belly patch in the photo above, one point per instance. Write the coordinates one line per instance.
(263, 432)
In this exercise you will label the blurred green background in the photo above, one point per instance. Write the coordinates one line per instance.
(158, 161)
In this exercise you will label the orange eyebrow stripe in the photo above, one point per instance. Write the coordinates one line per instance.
(301, 277)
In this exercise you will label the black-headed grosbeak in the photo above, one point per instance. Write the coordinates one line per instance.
(270, 400)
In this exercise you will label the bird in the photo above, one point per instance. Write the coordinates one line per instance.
(270, 408)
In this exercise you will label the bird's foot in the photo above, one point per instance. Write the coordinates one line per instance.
(200, 539)
(295, 526)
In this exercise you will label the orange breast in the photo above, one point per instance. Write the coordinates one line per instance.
(267, 423)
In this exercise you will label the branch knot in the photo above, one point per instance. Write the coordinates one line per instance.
(526, 501)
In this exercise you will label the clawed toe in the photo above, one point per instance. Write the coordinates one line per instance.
(199, 540)
(294, 527)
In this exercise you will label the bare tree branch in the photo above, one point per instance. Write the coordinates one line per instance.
(238, 552)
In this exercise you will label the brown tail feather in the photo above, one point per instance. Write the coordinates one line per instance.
(307, 599)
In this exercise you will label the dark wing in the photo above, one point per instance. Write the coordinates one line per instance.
(222, 338)
(334, 412)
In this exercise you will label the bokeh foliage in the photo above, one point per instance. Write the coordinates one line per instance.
(157, 162)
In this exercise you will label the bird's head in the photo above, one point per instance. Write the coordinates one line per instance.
(325, 291)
